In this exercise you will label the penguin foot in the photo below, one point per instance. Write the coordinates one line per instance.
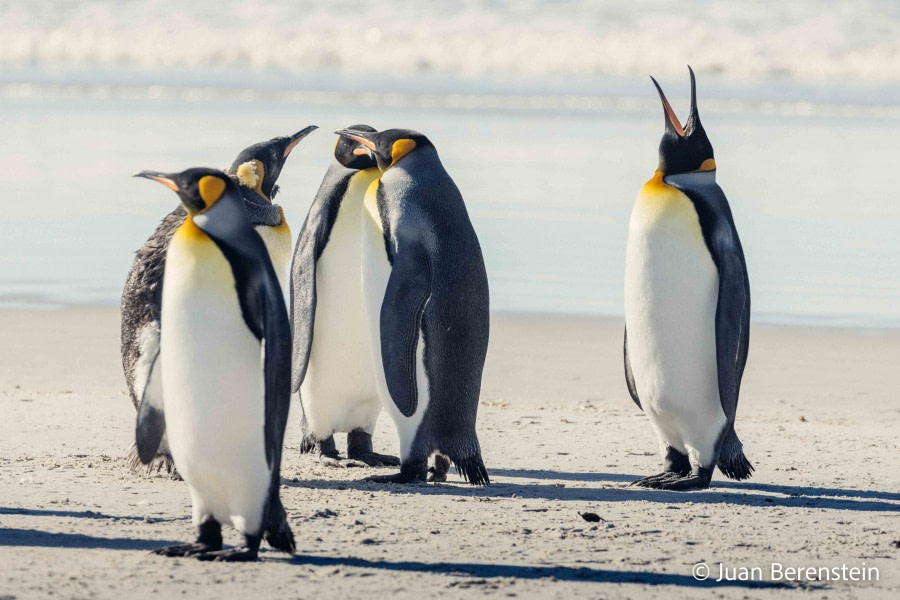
(249, 552)
(337, 461)
(676, 482)
(373, 459)
(398, 478)
(187, 549)
(438, 473)
(329, 456)
(359, 447)
(650, 479)
(436, 477)
(241, 554)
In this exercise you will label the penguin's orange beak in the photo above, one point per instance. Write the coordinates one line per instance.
(357, 138)
(670, 117)
(297, 138)
(160, 177)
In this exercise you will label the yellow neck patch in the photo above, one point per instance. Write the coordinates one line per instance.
(211, 189)
(189, 230)
(656, 184)
(400, 149)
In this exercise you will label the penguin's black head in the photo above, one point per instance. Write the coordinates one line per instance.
(257, 168)
(351, 153)
(388, 146)
(198, 188)
(684, 149)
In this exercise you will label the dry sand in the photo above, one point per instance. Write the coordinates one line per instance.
(819, 418)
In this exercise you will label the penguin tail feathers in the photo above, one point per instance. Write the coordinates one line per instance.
(307, 441)
(732, 461)
(307, 444)
(472, 469)
(278, 532)
(161, 463)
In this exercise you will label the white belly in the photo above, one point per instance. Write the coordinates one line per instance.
(671, 290)
(339, 393)
(213, 386)
(376, 272)
(279, 245)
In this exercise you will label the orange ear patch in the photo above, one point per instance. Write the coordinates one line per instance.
(401, 148)
(707, 165)
(211, 189)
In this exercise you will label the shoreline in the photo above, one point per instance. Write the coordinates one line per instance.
(848, 325)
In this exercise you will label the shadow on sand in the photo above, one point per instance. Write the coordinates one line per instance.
(82, 514)
(720, 493)
(42, 539)
(560, 573)
(790, 490)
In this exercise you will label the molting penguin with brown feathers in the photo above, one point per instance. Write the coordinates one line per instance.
(256, 169)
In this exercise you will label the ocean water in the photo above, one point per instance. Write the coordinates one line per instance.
(540, 110)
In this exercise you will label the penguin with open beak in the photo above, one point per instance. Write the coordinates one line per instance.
(687, 310)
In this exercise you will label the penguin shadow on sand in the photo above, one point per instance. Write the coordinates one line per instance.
(35, 538)
(739, 493)
(614, 487)
(486, 571)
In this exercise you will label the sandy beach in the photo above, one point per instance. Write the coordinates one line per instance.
(818, 416)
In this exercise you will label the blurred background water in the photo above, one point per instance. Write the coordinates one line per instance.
(541, 110)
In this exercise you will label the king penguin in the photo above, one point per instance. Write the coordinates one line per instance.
(332, 363)
(256, 169)
(219, 386)
(687, 310)
(427, 303)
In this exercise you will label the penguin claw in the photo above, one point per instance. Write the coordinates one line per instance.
(339, 462)
(678, 483)
(183, 550)
(396, 478)
(675, 481)
(373, 459)
(242, 554)
(650, 480)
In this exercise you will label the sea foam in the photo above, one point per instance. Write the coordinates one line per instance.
(803, 40)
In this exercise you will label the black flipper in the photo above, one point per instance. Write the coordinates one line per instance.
(733, 308)
(629, 376)
(310, 244)
(151, 420)
(405, 298)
